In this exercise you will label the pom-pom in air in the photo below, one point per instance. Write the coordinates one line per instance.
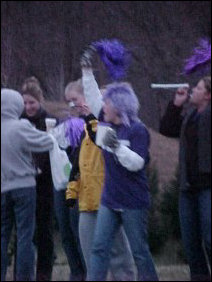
(114, 55)
(200, 60)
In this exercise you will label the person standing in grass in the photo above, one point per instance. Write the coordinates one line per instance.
(18, 185)
(86, 183)
(194, 130)
(125, 199)
(44, 233)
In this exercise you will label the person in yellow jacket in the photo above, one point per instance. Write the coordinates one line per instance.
(85, 186)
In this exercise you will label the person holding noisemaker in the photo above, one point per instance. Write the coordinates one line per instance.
(193, 127)
(194, 130)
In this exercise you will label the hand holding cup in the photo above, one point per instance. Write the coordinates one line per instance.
(50, 123)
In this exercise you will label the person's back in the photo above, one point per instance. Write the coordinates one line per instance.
(18, 196)
(17, 143)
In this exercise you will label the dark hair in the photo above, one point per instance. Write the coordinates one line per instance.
(207, 82)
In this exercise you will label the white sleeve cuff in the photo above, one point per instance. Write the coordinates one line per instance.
(129, 159)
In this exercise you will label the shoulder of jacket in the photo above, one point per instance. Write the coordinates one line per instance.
(25, 122)
(139, 126)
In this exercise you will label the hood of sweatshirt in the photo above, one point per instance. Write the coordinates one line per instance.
(12, 104)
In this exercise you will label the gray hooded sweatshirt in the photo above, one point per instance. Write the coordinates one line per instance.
(18, 140)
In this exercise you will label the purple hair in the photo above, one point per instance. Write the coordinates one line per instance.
(201, 58)
(115, 57)
(73, 129)
(123, 99)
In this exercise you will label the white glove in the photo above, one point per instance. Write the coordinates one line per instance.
(111, 139)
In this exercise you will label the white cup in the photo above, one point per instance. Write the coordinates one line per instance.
(71, 104)
(50, 123)
(102, 129)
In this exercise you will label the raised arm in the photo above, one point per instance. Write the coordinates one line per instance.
(170, 124)
(91, 91)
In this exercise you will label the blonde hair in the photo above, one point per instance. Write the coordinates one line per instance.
(76, 85)
(31, 86)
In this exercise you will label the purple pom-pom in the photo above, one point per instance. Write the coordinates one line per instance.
(115, 57)
(201, 58)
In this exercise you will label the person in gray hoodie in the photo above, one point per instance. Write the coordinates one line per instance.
(18, 195)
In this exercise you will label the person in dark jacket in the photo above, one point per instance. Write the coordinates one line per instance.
(67, 134)
(35, 113)
(194, 130)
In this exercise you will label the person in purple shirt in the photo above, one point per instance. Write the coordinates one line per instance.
(125, 199)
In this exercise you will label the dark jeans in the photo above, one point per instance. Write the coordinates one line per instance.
(135, 225)
(195, 219)
(68, 220)
(18, 207)
(44, 234)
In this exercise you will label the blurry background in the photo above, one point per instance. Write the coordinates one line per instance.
(46, 39)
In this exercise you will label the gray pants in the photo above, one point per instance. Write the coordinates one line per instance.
(121, 264)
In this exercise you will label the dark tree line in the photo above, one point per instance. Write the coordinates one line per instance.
(46, 39)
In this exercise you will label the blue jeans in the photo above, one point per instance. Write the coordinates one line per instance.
(68, 219)
(135, 226)
(195, 220)
(121, 260)
(18, 207)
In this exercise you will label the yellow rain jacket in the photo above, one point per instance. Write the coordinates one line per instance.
(87, 176)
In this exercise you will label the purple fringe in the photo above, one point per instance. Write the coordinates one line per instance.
(201, 58)
(115, 57)
(73, 130)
